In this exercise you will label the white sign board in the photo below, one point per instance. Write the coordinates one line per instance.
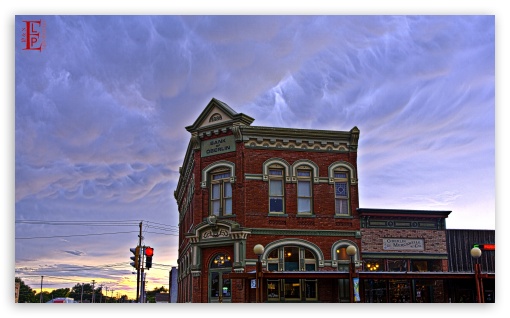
(403, 244)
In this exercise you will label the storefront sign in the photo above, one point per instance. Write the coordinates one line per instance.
(217, 146)
(401, 244)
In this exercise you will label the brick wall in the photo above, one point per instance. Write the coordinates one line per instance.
(434, 240)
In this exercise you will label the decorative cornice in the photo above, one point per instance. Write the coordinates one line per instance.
(304, 232)
(401, 224)
(300, 139)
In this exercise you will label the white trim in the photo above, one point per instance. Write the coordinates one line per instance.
(342, 164)
(309, 163)
(214, 165)
(269, 162)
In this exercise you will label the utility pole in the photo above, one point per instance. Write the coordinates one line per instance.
(106, 298)
(81, 293)
(93, 291)
(101, 295)
(40, 294)
(140, 261)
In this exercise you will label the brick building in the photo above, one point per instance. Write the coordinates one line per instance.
(402, 241)
(292, 190)
(295, 192)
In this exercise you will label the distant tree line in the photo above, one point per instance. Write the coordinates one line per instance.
(80, 292)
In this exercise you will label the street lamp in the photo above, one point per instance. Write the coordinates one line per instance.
(258, 250)
(351, 251)
(476, 253)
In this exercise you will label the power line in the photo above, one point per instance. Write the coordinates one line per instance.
(56, 236)
(95, 223)
(160, 227)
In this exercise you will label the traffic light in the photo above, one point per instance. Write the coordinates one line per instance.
(149, 251)
(136, 257)
(486, 246)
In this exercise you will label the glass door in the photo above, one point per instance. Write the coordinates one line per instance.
(220, 289)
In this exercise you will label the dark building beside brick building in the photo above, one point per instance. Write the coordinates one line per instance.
(295, 192)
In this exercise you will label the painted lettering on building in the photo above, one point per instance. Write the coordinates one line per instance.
(215, 117)
(218, 146)
(403, 244)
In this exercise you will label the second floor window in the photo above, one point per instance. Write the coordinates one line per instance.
(276, 195)
(341, 193)
(304, 189)
(221, 194)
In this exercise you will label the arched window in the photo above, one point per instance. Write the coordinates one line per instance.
(341, 177)
(343, 260)
(221, 192)
(291, 258)
(276, 179)
(304, 190)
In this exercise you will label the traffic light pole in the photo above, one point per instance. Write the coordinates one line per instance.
(140, 261)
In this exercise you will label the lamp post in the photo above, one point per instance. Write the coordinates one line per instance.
(476, 253)
(258, 250)
(351, 251)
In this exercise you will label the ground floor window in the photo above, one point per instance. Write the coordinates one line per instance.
(376, 291)
(293, 289)
(344, 290)
(291, 258)
(403, 291)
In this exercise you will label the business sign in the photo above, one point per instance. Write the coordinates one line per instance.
(218, 146)
(402, 244)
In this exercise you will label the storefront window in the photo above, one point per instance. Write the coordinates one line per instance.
(399, 291)
(291, 258)
(273, 290)
(373, 265)
(397, 265)
(375, 291)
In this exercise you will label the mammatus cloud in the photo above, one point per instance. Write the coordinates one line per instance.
(100, 114)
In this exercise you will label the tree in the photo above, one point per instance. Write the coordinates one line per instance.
(61, 292)
(151, 295)
(26, 294)
(76, 293)
(46, 296)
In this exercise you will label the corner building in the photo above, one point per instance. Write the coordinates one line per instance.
(294, 191)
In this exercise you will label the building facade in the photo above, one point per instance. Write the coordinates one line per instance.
(295, 193)
(403, 241)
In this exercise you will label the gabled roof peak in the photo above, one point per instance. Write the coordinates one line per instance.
(218, 114)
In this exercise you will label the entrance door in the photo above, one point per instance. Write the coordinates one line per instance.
(220, 290)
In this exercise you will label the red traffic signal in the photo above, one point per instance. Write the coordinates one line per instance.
(486, 246)
(149, 251)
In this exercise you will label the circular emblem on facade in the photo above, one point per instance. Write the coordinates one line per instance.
(215, 117)
(390, 223)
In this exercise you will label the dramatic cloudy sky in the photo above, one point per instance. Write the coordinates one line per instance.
(100, 115)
